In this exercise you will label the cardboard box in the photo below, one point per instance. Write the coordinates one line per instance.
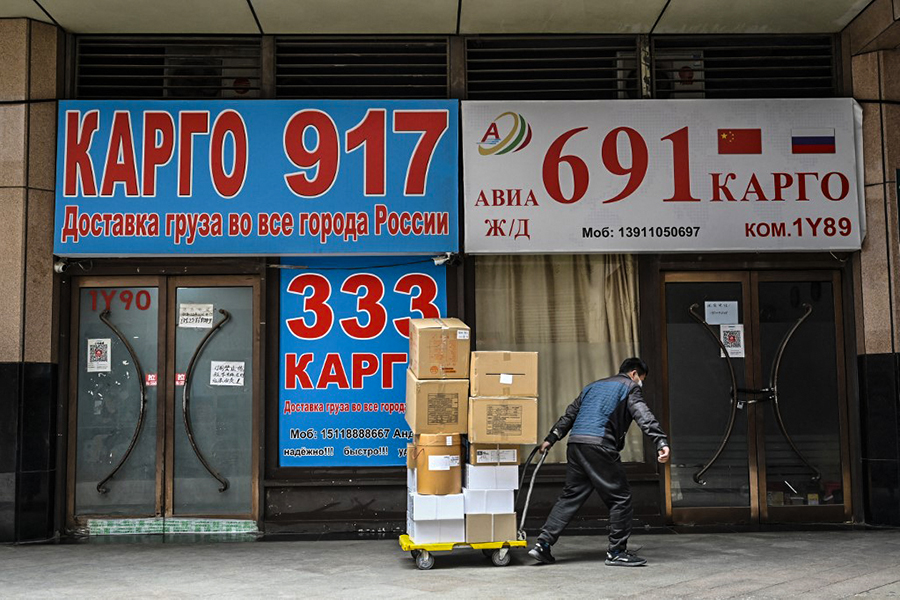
(504, 374)
(437, 405)
(436, 532)
(487, 502)
(421, 507)
(494, 454)
(439, 348)
(492, 478)
(437, 460)
(503, 420)
(481, 529)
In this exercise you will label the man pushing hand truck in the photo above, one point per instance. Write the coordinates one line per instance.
(597, 422)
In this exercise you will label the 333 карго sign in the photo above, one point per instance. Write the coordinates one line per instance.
(344, 337)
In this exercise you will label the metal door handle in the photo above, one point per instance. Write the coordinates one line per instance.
(770, 393)
(698, 476)
(186, 399)
(104, 316)
(773, 386)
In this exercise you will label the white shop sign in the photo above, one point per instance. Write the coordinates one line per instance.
(663, 176)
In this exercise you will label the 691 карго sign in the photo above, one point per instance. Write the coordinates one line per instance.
(261, 177)
(652, 176)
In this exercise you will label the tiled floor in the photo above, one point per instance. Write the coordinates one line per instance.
(834, 564)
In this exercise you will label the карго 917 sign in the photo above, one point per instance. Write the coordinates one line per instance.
(663, 176)
(276, 177)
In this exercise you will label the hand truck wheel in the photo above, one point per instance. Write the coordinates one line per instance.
(488, 553)
(414, 554)
(501, 557)
(425, 560)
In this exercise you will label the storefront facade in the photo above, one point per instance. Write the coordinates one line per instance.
(211, 280)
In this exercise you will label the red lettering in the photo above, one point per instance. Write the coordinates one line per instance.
(295, 371)
(158, 125)
(121, 166)
(79, 168)
(332, 373)
(229, 122)
(388, 360)
(190, 123)
(365, 364)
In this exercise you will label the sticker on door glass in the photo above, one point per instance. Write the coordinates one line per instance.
(230, 373)
(98, 360)
(721, 313)
(197, 316)
(732, 337)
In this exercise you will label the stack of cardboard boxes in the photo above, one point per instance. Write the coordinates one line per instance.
(437, 401)
(500, 415)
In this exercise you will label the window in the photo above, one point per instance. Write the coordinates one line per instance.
(579, 312)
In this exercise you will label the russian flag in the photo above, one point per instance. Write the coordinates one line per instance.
(812, 141)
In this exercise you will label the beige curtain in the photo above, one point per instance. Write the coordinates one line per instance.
(579, 312)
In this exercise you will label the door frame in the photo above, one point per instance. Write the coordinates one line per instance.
(78, 284)
(759, 513)
(172, 395)
(716, 514)
(166, 391)
(806, 514)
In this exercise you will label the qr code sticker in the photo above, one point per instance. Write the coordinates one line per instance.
(98, 359)
(732, 337)
(99, 352)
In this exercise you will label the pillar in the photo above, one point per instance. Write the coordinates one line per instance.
(30, 54)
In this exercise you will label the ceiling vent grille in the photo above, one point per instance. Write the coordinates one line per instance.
(743, 67)
(361, 67)
(550, 68)
(155, 67)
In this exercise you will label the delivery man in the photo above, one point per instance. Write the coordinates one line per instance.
(598, 421)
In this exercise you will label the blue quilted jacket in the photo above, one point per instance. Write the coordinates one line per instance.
(603, 412)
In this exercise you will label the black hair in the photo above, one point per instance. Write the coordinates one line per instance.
(634, 364)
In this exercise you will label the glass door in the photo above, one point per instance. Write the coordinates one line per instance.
(212, 420)
(755, 398)
(712, 467)
(164, 389)
(114, 448)
(804, 458)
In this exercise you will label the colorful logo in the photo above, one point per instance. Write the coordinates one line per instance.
(517, 137)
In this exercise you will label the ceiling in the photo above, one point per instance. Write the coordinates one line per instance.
(439, 16)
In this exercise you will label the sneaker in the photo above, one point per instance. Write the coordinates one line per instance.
(624, 558)
(541, 553)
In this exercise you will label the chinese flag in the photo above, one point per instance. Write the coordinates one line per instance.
(740, 141)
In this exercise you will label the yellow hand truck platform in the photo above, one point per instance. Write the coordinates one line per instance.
(498, 552)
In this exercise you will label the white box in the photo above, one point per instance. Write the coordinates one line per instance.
(411, 481)
(489, 502)
(422, 507)
(436, 532)
(492, 478)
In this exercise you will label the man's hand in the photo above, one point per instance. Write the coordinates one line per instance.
(663, 456)
(545, 447)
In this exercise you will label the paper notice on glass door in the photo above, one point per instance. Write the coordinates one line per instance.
(230, 373)
(197, 316)
(98, 359)
(721, 313)
(732, 337)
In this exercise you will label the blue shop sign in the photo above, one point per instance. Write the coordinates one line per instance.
(344, 339)
(267, 177)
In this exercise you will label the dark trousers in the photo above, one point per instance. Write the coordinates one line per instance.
(590, 468)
